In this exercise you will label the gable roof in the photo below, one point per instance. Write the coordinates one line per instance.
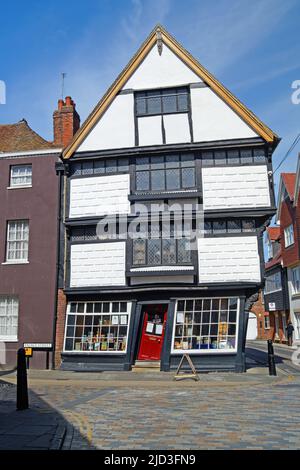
(273, 233)
(160, 34)
(297, 182)
(20, 137)
(287, 181)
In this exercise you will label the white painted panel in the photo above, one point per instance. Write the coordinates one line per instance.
(99, 195)
(177, 128)
(161, 280)
(213, 119)
(98, 264)
(115, 128)
(150, 130)
(165, 70)
(235, 187)
(228, 259)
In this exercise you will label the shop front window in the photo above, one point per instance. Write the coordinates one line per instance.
(97, 327)
(206, 325)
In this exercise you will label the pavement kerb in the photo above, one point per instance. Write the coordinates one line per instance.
(59, 437)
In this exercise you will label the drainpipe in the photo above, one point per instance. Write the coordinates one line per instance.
(59, 173)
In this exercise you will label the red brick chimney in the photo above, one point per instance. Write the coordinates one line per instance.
(66, 122)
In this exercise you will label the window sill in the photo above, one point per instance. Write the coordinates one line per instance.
(296, 295)
(161, 270)
(8, 339)
(164, 195)
(14, 262)
(20, 187)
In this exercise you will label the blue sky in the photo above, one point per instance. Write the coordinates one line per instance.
(252, 47)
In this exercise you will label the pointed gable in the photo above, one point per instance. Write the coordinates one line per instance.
(161, 62)
(286, 190)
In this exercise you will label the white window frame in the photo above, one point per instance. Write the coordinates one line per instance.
(289, 236)
(14, 299)
(267, 324)
(296, 279)
(26, 176)
(24, 240)
(270, 249)
(128, 313)
(206, 351)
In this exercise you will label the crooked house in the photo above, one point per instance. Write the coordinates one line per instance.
(166, 131)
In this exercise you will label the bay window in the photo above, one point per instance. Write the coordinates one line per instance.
(205, 325)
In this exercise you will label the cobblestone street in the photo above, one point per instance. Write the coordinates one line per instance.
(151, 411)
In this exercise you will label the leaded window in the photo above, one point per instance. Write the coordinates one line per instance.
(273, 283)
(100, 167)
(165, 173)
(229, 226)
(155, 248)
(166, 101)
(233, 157)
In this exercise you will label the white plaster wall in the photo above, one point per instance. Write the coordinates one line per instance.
(98, 264)
(215, 120)
(115, 128)
(161, 280)
(177, 128)
(150, 130)
(228, 259)
(235, 187)
(99, 195)
(165, 70)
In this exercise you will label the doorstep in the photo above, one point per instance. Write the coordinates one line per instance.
(146, 366)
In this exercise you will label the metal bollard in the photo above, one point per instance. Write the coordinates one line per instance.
(271, 359)
(22, 389)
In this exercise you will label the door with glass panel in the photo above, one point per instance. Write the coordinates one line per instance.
(153, 331)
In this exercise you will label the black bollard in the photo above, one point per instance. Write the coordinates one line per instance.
(22, 389)
(271, 359)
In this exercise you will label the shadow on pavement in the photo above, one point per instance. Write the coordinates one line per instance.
(41, 427)
(260, 358)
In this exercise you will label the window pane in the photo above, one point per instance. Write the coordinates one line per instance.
(157, 163)
(188, 160)
(87, 168)
(172, 161)
(182, 100)
(208, 227)
(184, 252)
(246, 156)
(154, 105)
(123, 164)
(139, 251)
(169, 251)
(219, 226)
(207, 159)
(169, 102)
(99, 167)
(173, 179)
(234, 226)
(259, 155)
(157, 180)
(154, 251)
(142, 180)
(220, 158)
(111, 166)
(233, 156)
(142, 163)
(188, 178)
(248, 225)
(141, 106)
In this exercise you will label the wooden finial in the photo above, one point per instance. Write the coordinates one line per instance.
(159, 41)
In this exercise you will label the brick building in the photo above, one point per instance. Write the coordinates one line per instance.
(29, 194)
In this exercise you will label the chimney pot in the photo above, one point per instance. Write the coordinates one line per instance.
(66, 122)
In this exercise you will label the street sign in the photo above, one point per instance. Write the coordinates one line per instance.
(28, 352)
(43, 346)
(272, 306)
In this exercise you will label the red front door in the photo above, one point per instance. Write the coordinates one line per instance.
(152, 334)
